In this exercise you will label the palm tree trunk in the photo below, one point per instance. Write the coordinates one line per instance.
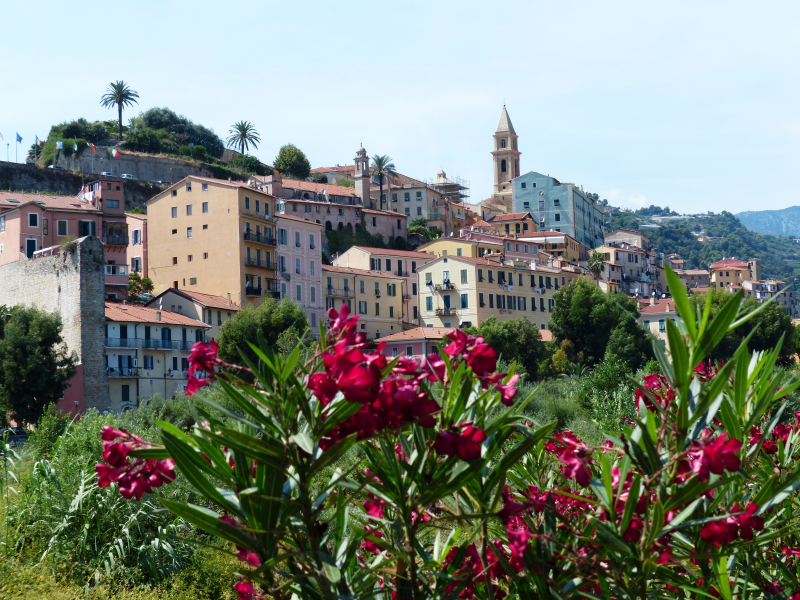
(380, 196)
(120, 121)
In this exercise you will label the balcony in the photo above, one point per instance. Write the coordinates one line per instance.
(401, 273)
(154, 344)
(377, 293)
(258, 238)
(251, 291)
(406, 296)
(124, 342)
(286, 275)
(340, 293)
(257, 262)
(116, 240)
(123, 372)
(446, 285)
(445, 311)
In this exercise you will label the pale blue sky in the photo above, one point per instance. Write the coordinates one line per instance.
(686, 104)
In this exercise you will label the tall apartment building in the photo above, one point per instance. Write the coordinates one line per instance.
(147, 352)
(32, 223)
(299, 255)
(213, 236)
(396, 262)
(459, 291)
(375, 297)
(559, 207)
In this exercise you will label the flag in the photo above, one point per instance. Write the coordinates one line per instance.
(19, 139)
(59, 145)
(114, 153)
(93, 150)
(74, 146)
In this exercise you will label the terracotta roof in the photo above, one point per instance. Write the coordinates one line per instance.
(729, 262)
(481, 223)
(512, 217)
(339, 169)
(678, 261)
(373, 211)
(494, 201)
(407, 253)
(311, 186)
(224, 182)
(133, 313)
(483, 262)
(692, 272)
(293, 218)
(207, 300)
(353, 206)
(418, 333)
(662, 305)
(48, 201)
(362, 272)
(461, 240)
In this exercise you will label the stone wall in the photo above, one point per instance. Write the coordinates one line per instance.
(145, 167)
(30, 178)
(72, 285)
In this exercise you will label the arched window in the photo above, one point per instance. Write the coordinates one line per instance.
(328, 226)
(502, 143)
(503, 166)
(340, 226)
(306, 196)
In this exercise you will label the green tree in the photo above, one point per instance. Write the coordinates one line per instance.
(35, 367)
(588, 317)
(249, 164)
(319, 178)
(119, 94)
(596, 264)
(382, 167)
(420, 227)
(138, 285)
(292, 161)
(270, 319)
(516, 340)
(244, 134)
(767, 327)
(143, 139)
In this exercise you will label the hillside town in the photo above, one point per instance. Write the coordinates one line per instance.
(213, 246)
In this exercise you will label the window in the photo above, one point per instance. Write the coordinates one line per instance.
(148, 362)
(463, 276)
(398, 224)
(205, 204)
(136, 237)
(413, 289)
(297, 239)
(174, 232)
(205, 189)
(205, 255)
(406, 196)
(174, 260)
(311, 244)
(61, 228)
(362, 308)
(408, 211)
(283, 237)
(394, 352)
(428, 278)
(312, 269)
(429, 303)
(419, 211)
(188, 232)
(388, 265)
(258, 205)
(174, 192)
(394, 196)
(464, 301)
(247, 202)
(361, 287)
(188, 209)
(33, 220)
(189, 186)
(419, 196)
(2, 224)
(190, 258)
(503, 166)
(391, 311)
(193, 281)
(174, 212)
(377, 309)
(516, 247)
(415, 313)
(299, 293)
(491, 300)
(480, 301)
(136, 264)
(662, 324)
(313, 295)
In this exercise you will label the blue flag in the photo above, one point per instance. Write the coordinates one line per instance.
(19, 138)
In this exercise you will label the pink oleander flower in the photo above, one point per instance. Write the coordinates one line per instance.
(715, 455)
(246, 591)
(465, 444)
(203, 358)
(243, 554)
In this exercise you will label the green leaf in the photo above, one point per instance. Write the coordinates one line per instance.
(656, 523)
(332, 454)
(682, 305)
(630, 504)
(303, 441)
(721, 569)
(150, 453)
(209, 521)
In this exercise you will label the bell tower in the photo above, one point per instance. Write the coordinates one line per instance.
(506, 159)
(361, 176)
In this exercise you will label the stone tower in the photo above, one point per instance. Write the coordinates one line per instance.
(361, 176)
(506, 159)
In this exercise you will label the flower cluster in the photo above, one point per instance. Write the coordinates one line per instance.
(712, 455)
(482, 359)
(658, 388)
(358, 375)
(203, 359)
(246, 590)
(135, 477)
(727, 530)
(780, 433)
(463, 441)
(574, 454)
(243, 554)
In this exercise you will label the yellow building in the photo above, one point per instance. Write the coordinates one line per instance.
(377, 298)
(213, 236)
(654, 315)
(459, 291)
(461, 247)
(731, 272)
(147, 352)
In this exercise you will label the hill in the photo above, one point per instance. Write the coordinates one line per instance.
(727, 237)
(776, 222)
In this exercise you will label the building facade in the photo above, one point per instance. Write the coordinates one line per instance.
(213, 236)
(376, 298)
(147, 352)
(561, 207)
(731, 273)
(397, 262)
(214, 311)
(418, 342)
(300, 266)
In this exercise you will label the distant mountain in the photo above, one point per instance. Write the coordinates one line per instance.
(776, 222)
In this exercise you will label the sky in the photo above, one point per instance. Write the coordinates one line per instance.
(691, 105)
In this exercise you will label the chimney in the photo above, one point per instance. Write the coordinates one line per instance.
(158, 315)
(229, 298)
(652, 300)
(230, 179)
(668, 307)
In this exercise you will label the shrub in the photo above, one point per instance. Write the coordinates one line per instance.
(249, 164)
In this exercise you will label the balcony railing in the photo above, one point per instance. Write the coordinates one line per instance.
(251, 291)
(406, 296)
(401, 273)
(342, 293)
(257, 262)
(124, 342)
(286, 275)
(116, 240)
(259, 238)
(123, 372)
(445, 311)
(156, 344)
(444, 286)
(116, 269)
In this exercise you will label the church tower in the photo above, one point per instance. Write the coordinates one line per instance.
(506, 160)
(361, 176)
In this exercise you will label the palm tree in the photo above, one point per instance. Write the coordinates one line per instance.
(596, 264)
(119, 94)
(382, 166)
(244, 134)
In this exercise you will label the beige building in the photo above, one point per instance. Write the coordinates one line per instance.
(730, 272)
(376, 298)
(213, 236)
(764, 290)
(640, 274)
(462, 247)
(628, 236)
(392, 262)
(694, 278)
(209, 309)
(147, 352)
(459, 291)
(654, 315)
(560, 245)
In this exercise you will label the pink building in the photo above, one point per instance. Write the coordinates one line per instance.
(31, 223)
(299, 257)
(420, 341)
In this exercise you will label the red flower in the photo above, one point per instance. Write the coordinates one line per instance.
(508, 390)
(482, 360)
(716, 455)
(719, 532)
(769, 447)
(466, 444)
(634, 531)
(359, 384)
(243, 554)
(369, 545)
(576, 467)
(246, 591)
(340, 321)
(323, 387)
(773, 588)
(789, 552)
(459, 343)
(204, 356)
(748, 521)
(373, 506)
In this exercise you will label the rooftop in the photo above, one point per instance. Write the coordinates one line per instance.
(406, 253)
(662, 305)
(729, 262)
(10, 200)
(311, 186)
(361, 272)
(133, 313)
(418, 333)
(512, 217)
(207, 300)
(293, 218)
